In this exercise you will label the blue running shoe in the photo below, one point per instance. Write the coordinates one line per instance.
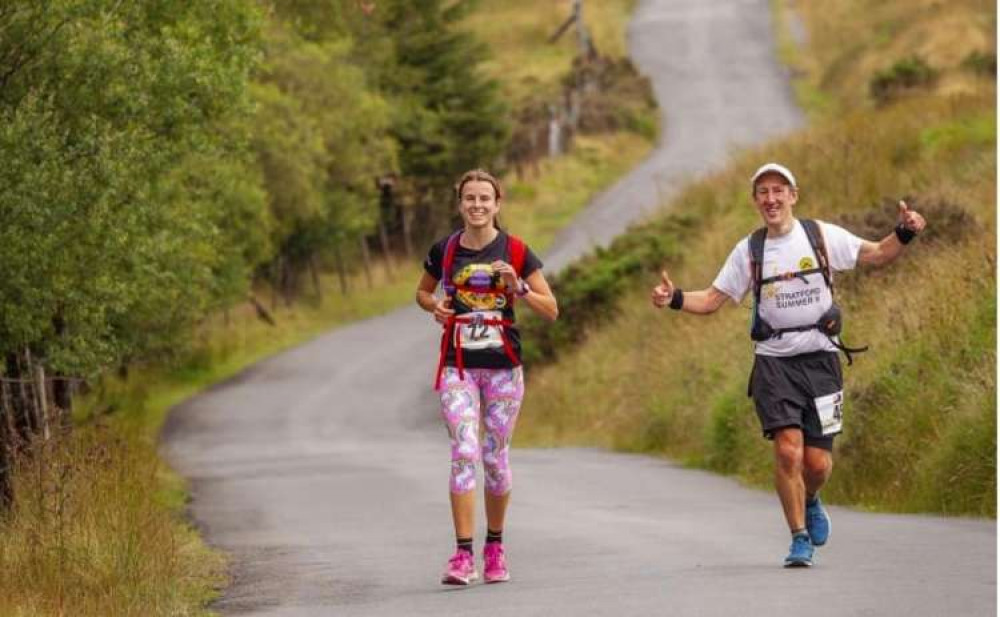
(800, 554)
(817, 522)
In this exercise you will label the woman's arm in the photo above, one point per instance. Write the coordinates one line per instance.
(441, 307)
(539, 297)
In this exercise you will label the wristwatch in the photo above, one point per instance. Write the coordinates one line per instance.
(522, 288)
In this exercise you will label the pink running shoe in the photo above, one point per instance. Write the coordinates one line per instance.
(495, 567)
(461, 569)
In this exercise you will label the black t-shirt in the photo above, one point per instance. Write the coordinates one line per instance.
(481, 348)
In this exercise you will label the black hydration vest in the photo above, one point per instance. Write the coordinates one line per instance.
(830, 322)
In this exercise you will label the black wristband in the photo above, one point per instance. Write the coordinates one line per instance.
(677, 300)
(904, 234)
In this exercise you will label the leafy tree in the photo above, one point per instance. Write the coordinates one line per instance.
(448, 116)
(321, 139)
(116, 120)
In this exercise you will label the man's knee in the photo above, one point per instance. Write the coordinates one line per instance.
(817, 462)
(789, 450)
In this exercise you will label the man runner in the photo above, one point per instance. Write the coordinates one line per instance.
(796, 381)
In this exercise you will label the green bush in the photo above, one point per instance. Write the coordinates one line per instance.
(907, 74)
(981, 63)
(589, 289)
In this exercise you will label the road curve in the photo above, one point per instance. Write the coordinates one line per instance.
(323, 471)
(715, 76)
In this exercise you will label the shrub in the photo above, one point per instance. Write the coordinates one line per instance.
(981, 63)
(905, 75)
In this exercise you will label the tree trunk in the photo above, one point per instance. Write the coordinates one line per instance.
(62, 393)
(289, 281)
(275, 282)
(383, 236)
(366, 259)
(408, 232)
(25, 424)
(341, 270)
(62, 397)
(314, 275)
(262, 313)
(7, 440)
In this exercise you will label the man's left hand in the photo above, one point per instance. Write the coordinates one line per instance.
(910, 219)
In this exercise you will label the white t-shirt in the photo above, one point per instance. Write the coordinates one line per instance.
(790, 303)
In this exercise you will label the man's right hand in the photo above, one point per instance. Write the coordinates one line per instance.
(663, 292)
(443, 310)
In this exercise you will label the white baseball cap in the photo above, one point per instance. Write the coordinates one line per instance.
(773, 168)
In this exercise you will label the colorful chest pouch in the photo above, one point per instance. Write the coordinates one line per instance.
(484, 327)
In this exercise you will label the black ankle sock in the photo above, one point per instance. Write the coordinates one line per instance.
(465, 544)
(494, 536)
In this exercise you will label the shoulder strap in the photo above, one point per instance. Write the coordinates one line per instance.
(816, 240)
(516, 250)
(448, 263)
(757, 258)
(756, 251)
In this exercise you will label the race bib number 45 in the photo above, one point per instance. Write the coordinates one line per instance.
(477, 334)
(831, 412)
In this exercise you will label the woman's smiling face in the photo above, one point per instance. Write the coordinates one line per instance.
(478, 205)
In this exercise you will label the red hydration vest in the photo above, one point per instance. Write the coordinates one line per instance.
(515, 251)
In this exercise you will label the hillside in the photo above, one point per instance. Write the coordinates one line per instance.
(906, 110)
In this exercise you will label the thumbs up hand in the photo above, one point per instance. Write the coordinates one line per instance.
(910, 219)
(663, 292)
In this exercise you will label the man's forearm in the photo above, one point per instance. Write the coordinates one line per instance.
(889, 248)
(699, 302)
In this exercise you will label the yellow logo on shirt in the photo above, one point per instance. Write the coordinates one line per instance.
(480, 280)
(806, 263)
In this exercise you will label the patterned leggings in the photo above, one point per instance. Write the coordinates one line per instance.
(499, 393)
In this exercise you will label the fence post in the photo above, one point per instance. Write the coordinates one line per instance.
(6, 447)
(43, 408)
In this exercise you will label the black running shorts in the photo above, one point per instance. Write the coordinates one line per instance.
(784, 392)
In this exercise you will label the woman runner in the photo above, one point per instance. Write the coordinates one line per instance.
(482, 270)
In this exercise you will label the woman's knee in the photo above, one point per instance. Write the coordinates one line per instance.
(496, 469)
(498, 476)
(463, 476)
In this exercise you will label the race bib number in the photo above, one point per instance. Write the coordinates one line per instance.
(831, 412)
(477, 334)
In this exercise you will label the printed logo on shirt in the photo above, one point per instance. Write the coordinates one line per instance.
(801, 297)
(806, 263)
(481, 279)
(771, 290)
(792, 294)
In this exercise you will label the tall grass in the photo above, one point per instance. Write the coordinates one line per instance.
(526, 64)
(90, 534)
(98, 524)
(850, 43)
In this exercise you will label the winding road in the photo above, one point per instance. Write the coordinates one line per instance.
(323, 471)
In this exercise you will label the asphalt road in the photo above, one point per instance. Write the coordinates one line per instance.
(323, 471)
